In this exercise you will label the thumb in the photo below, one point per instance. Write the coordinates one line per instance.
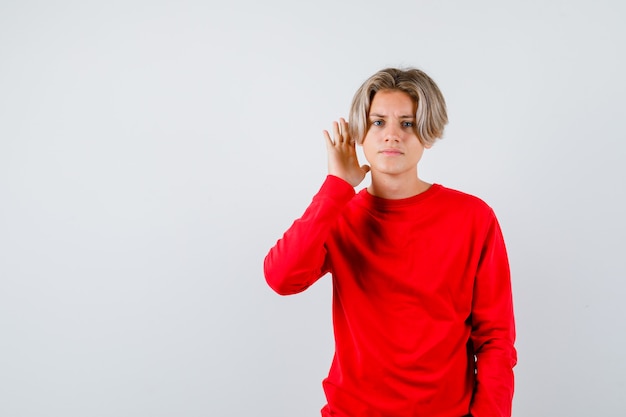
(365, 168)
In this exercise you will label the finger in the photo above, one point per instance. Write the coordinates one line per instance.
(345, 131)
(337, 133)
(329, 141)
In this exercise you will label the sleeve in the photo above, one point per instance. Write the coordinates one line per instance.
(299, 258)
(493, 329)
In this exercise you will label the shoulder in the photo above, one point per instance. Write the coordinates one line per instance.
(462, 201)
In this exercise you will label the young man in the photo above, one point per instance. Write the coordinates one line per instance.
(422, 305)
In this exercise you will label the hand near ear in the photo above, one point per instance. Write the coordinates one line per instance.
(342, 158)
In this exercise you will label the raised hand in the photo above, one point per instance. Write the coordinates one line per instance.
(342, 159)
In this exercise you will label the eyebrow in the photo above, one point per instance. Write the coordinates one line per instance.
(383, 116)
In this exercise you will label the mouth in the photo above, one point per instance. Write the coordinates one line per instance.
(391, 152)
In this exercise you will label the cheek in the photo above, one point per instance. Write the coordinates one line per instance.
(418, 153)
(368, 146)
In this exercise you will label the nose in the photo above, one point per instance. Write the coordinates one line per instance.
(392, 133)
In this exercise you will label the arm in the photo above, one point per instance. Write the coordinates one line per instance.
(299, 258)
(493, 330)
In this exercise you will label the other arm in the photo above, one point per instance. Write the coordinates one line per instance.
(493, 330)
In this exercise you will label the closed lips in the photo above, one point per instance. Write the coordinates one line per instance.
(391, 151)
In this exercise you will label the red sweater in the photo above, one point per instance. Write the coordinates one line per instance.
(422, 305)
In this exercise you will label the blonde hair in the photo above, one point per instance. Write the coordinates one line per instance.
(431, 115)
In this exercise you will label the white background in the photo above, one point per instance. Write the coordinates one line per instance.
(151, 152)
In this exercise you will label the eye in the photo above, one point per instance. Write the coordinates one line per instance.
(408, 124)
(377, 122)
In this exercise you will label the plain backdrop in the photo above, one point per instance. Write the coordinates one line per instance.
(151, 152)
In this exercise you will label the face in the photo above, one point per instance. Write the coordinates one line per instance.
(390, 144)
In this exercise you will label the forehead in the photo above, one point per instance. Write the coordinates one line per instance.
(393, 102)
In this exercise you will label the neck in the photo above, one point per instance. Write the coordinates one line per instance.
(396, 188)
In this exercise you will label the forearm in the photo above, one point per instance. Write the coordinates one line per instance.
(298, 258)
(493, 338)
(493, 394)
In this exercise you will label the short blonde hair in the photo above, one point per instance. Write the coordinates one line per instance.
(431, 115)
